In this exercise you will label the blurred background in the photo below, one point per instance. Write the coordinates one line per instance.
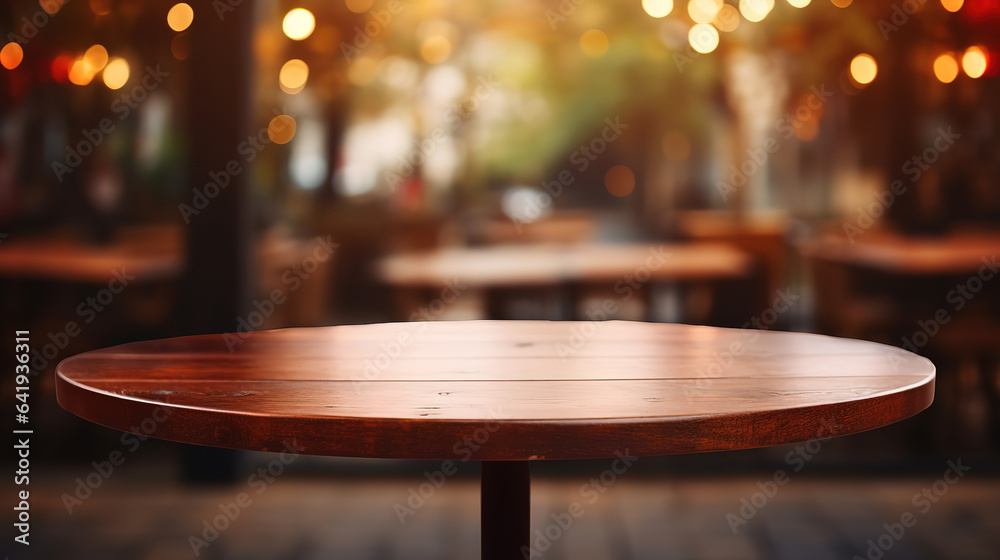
(827, 166)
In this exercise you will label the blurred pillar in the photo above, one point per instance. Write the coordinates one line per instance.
(214, 291)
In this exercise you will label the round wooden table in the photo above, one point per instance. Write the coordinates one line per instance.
(501, 392)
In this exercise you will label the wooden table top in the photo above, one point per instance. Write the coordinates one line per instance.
(498, 390)
(960, 252)
(541, 264)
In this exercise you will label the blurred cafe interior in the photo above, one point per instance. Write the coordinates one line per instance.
(823, 166)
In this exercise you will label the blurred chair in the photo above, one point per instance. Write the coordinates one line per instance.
(892, 288)
(283, 263)
(562, 227)
(760, 234)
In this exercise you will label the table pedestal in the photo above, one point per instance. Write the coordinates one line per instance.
(506, 509)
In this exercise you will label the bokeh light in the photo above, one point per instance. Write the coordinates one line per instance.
(594, 42)
(96, 57)
(974, 62)
(756, 10)
(116, 73)
(51, 6)
(946, 68)
(298, 24)
(703, 38)
(703, 11)
(841, 3)
(863, 69)
(281, 129)
(60, 68)
(619, 181)
(180, 17)
(293, 76)
(799, 3)
(728, 18)
(359, 6)
(952, 5)
(658, 8)
(435, 49)
(80, 73)
(11, 55)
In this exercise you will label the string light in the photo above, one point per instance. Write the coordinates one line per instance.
(298, 24)
(704, 11)
(658, 8)
(11, 55)
(96, 58)
(863, 69)
(952, 5)
(974, 62)
(281, 129)
(703, 38)
(116, 73)
(293, 76)
(756, 10)
(180, 17)
(946, 68)
(728, 18)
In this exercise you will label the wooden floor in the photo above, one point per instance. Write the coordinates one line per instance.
(309, 517)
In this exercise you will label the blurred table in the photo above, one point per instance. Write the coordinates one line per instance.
(532, 265)
(563, 267)
(953, 254)
(500, 392)
(150, 253)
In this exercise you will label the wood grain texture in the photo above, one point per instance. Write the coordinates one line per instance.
(541, 264)
(498, 390)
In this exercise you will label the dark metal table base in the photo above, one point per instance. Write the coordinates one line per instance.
(506, 510)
